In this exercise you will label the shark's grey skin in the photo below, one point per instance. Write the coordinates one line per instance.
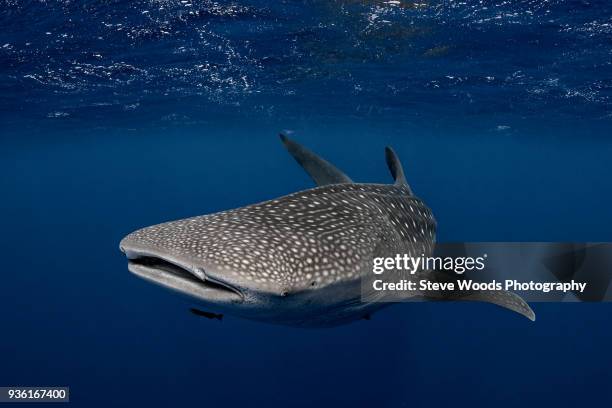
(300, 259)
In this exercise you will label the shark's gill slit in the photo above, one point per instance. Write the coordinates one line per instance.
(154, 262)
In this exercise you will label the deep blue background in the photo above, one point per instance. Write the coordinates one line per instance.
(500, 113)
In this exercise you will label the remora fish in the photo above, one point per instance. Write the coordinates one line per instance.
(301, 259)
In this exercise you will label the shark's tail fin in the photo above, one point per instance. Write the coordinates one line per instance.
(503, 298)
(583, 262)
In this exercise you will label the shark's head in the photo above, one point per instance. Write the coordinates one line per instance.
(205, 258)
(268, 259)
(154, 253)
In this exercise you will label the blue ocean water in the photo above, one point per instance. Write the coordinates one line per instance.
(116, 115)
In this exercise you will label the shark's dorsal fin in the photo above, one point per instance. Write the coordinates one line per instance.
(395, 167)
(320, 170)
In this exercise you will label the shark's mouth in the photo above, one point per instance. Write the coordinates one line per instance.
(183, 279)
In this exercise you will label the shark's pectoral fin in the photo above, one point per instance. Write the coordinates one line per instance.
(395, 167)
(503, 298)
(320, 170)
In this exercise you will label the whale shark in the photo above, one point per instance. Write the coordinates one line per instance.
(304, 259)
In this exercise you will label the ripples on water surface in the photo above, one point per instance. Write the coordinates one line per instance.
(93, 60)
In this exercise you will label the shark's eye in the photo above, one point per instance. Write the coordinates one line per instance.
(313, 283)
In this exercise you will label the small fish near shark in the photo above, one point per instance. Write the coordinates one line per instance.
(301, 259)
(205, 314)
